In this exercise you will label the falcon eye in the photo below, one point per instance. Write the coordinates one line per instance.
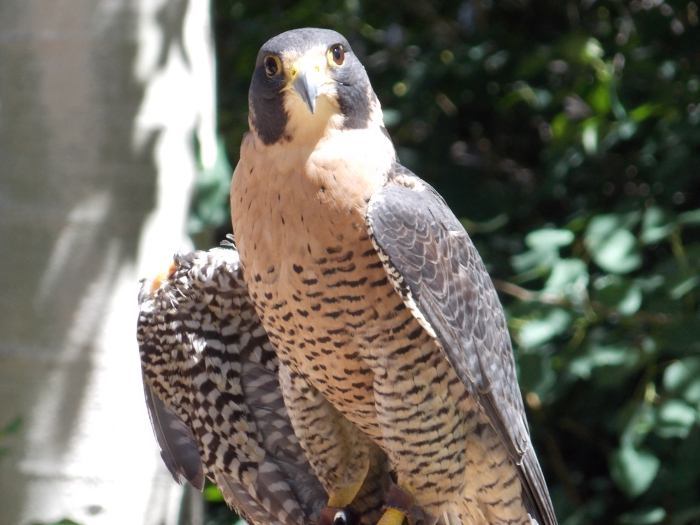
(272, 66)
(337, 54)
(340, 518)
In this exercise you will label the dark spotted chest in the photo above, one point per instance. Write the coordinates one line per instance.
(326, 301)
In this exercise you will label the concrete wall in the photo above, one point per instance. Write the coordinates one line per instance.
(99, 101)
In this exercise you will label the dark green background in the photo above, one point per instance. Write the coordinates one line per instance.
(566, 135)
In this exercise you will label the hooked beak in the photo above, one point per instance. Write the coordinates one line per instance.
(307, 84)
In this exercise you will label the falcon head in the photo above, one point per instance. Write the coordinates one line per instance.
(305, 82)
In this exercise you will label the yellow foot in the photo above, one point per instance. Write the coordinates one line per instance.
(398, 505)
(391, 517)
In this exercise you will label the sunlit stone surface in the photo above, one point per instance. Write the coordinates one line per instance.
(99, 101)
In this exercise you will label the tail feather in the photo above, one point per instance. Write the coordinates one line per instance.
(239, 499)
(535, 493)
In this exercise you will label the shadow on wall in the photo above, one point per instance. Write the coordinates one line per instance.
(75, 190)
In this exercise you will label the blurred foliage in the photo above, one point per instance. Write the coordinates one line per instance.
(10, 429)
(217, 512)
(566, 135)
(210, 207)
(64, 521)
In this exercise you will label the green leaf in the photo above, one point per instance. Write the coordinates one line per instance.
(600, 228)
(539, 331)
(624, 296)
(612, 245)
(618, 254)
(680, 373)
(531, 259)
(690, 218)
(684, 287)
(589, 136)
(544, 249)
(633, 470)
(650, 283)
(653, 217)
(565, 274)
(559, 125)
(212, 494)
(683, 378)
(643, 516)
(391, 117)
(548, 239)
(644, 111)
(592, 50)
(603, 226)
(599, 99)
(675, 419)
(631, 301)
(654, 226)
(603, 356)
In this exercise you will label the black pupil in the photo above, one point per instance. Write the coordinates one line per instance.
(270, 66)
(339, 518)
(337, 53)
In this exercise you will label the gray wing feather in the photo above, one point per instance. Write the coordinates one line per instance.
(204, 355)
(178, 447)
(436, 268)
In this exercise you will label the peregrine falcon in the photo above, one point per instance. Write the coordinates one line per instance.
(386, 324)
(213, 395)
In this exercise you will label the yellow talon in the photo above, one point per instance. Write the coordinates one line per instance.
(398, 504)
(391, 517)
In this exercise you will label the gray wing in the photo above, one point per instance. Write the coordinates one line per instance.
(433, 264)
(178, 447)
(210, 375)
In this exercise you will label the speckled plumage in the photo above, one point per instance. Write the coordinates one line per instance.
(377, 302)
(212, 388)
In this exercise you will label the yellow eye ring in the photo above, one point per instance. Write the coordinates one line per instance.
(272, 66)
(336, 53)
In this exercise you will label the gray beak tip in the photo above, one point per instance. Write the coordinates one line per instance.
(307, 90)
